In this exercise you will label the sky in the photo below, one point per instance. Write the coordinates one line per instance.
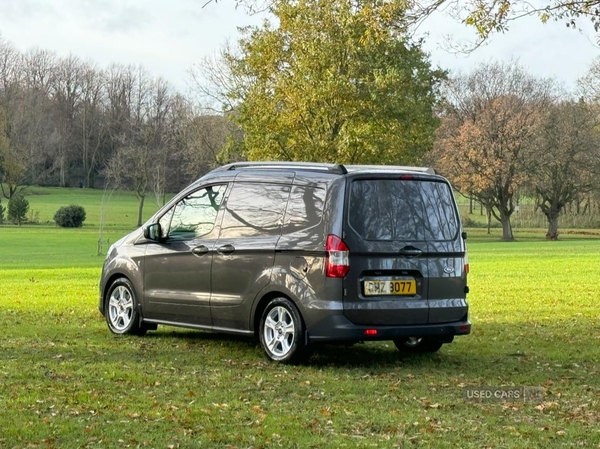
(167, 38)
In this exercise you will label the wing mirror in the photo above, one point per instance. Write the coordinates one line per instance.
(153, 232)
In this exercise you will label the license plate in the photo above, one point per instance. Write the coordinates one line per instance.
(395, 287)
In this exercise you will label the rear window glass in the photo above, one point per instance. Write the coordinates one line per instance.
(393, 209)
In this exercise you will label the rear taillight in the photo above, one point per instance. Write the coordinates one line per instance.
(338, 257)
(466, 268)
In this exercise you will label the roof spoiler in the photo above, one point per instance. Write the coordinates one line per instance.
(428, 170)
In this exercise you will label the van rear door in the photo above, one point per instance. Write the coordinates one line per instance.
(398, 236)
(446, 255)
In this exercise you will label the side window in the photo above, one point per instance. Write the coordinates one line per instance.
(195, 215)
(254, 209)
(304, 210)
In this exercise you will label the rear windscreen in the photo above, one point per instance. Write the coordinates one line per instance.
(393, 209)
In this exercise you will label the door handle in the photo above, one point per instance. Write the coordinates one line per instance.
(410, 251)
(199, 250)
(226, 249)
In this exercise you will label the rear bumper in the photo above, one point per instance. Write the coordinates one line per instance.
(339, 328)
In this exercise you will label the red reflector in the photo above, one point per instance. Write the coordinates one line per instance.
(406, 177)
(338, 260)
(466, 268)
(464, 328)
(370, 331)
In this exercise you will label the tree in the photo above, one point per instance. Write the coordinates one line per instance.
(140, 130)
(130, 168)
(18, 206)
(214, 81)
(4, 142)
(204, 139)
(488, 128)
(486, 17)
(561, 164)
(495, 16)
(92, 123)
(129, 91)
(65, 119)
(10, 73)
(336, 81)
(12, 170)
(66, 95)
(589, 85)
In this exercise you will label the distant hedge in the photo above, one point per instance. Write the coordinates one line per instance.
(71, 216)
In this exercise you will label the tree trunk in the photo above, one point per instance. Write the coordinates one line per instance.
(140, 209)
(585, 207)
(552, 215)
(62, 174)
(470, 205)
(507, 233)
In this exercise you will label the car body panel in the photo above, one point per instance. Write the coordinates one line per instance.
(177, 283)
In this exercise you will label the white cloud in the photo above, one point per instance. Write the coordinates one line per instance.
(168, 37)
(546, 50)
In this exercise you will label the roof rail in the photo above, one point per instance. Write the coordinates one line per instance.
(429, 170)
(319, 166)
(332, 168)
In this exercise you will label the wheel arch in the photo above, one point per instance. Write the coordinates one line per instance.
(109, 282)
(262, 304)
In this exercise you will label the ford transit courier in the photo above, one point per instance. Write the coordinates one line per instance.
(297, 254)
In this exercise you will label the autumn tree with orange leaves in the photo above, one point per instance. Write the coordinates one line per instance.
(487, 132)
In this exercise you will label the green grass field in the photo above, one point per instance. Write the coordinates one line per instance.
(119, 207)
(66, 382)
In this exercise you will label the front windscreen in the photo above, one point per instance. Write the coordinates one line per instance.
(406, 210)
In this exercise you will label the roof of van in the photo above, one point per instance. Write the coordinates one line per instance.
(340, 169)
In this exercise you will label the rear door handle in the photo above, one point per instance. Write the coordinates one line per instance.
(410, 251)
(199, 250)
(226, 249)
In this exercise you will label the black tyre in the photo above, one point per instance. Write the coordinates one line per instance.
(417, 345)
(122, 315)
(281, 332)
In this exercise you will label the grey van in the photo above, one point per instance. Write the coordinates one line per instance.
(298, 254)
